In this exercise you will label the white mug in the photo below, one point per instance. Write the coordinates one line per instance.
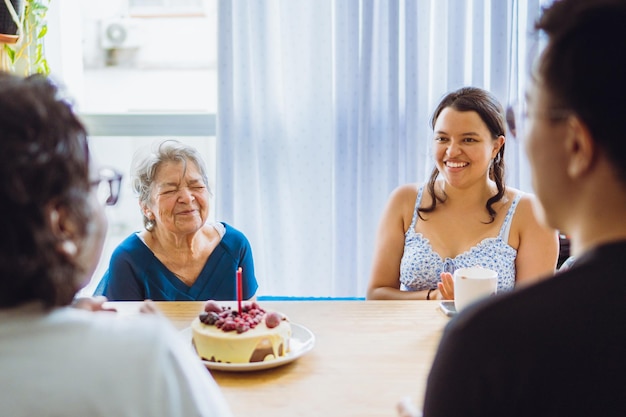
(472, 284)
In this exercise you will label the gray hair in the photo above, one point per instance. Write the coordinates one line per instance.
(145, 166)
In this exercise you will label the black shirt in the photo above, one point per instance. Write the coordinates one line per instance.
(557, 348)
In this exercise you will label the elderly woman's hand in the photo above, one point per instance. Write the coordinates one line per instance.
(97, 304)
(149, 307)
(446, 286)
(92, 303)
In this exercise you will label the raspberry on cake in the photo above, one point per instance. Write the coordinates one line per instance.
(221, 334)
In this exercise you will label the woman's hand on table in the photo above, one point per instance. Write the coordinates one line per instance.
(446, 286)
(92, 303)
(149, 307)
(97, 303)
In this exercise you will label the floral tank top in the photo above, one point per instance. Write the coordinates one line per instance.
(420, 267)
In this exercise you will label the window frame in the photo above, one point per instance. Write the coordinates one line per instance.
(150, 124)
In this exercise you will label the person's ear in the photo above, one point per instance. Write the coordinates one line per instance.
(579, 147)
(63, 229)
(497, 145)
(146, 211)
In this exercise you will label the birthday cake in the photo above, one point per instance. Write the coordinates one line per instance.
(223, 334)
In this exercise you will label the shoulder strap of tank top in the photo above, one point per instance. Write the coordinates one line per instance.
(506, 226)
(418, 200)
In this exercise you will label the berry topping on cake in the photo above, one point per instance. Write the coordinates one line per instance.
(273, 319)
(212, 306)
(228, 319)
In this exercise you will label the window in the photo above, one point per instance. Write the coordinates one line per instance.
(140, 71)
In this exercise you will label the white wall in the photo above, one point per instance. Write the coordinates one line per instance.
(163, 41)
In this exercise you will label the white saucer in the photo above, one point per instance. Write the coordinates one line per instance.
(302, 341)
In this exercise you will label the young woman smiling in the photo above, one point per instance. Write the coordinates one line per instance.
(464, 216)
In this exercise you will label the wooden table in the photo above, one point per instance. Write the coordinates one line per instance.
(367, 355)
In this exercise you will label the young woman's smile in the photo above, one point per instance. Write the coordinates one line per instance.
(463, 147)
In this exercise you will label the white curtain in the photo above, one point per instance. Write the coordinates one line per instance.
(324, 108)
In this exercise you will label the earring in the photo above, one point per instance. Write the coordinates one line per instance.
(149, 222)
(69, 248)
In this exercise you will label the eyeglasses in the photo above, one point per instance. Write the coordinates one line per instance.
(517, 114)
(108, 186)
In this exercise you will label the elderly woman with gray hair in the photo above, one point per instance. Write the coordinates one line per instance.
(179, 256)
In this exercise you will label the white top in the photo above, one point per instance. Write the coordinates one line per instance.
(71, 362)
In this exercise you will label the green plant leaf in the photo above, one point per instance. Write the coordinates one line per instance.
(28, 55)
(42, 32)
(45, 69)
(36, 7)
(10, 53)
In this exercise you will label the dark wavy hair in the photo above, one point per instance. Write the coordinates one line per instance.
(43, 162)
(584, 68)
(492, 114)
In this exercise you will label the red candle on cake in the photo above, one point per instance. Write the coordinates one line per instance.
(239, 290)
